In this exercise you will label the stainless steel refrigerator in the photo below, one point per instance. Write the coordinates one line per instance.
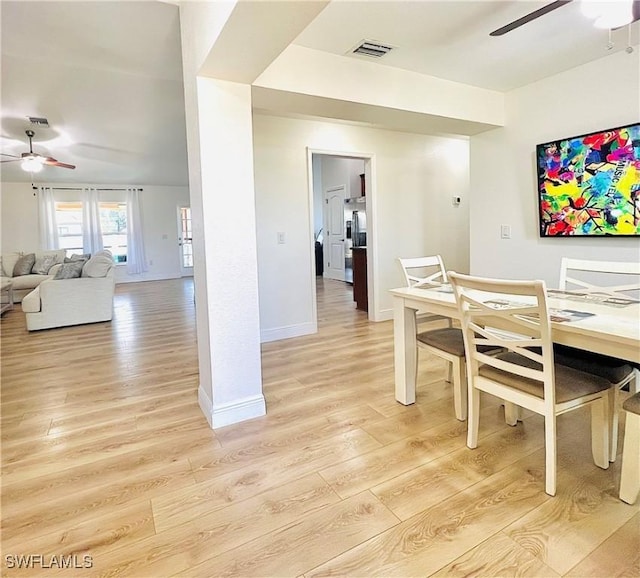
(355, 216)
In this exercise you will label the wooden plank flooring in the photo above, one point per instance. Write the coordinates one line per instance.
(105, 453)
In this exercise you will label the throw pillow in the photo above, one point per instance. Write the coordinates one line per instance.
(77, 257)
(43, 264)
(24, 265)
(9, 261)
(97, 266)
(70, 270)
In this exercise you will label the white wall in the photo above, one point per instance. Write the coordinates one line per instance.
(338, 171)
(598, 95)
(160, 222)
(416, 176)
(307, 71)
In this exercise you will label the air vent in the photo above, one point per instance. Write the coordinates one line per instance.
(373, 49)
(38, 121)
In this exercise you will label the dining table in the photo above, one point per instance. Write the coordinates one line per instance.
(591, 322)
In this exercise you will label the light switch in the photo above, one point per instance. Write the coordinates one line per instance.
(280, 238)
(505, 231)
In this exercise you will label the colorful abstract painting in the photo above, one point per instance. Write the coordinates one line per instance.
(590, 184)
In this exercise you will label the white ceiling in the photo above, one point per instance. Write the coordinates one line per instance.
(450, 39)
(108, 75)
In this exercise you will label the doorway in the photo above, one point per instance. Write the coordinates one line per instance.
(336, 181)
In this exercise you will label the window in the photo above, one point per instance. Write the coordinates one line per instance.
(69, 221)
(186, 237)
(113, 222)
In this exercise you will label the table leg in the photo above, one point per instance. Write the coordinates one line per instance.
(405, 351)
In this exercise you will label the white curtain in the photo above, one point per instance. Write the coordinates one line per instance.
(136, 258)
(47, 219)
(91, 230)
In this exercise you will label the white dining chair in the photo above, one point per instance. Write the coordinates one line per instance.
(578, 275)
(446, 343)
(606, 279)
(428, 271)
(630, 470)
(525, 374)
(425, 272)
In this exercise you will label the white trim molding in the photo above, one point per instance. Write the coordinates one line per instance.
(298, 330)
(231, 413)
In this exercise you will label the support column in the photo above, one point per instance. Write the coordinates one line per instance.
(230, 281)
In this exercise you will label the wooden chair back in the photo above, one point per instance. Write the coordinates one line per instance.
(511, 315)
(625, 274)
(423, 271)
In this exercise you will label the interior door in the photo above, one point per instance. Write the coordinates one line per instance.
(334, 237)
(185, 241)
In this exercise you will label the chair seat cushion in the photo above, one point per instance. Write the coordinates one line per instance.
(570, 383)
(449, 339)
(632, 404)
(612, 369)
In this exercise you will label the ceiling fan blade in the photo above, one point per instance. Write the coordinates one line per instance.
(55, 163)
(11, 160)
(8, 155)
(529, 17)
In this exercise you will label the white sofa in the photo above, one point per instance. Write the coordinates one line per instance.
(63, 302)
(24, 284)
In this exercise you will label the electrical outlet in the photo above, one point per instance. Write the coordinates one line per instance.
(505, 231)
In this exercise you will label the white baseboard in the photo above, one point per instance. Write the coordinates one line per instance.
(267, 335)
(145, 277)
(235, 412)
(384, 315)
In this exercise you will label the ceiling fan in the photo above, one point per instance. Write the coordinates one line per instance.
(33, 162)
(625, 13)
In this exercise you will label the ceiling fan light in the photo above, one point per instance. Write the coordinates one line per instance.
(608, 13)
(617, 14)
(31, 165)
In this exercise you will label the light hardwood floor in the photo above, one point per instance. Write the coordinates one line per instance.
(105, 453)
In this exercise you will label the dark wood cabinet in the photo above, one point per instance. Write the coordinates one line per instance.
(360, 290)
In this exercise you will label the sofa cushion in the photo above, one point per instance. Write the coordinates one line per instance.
(70, 270)
(31, 302)
(24, 265)
(59, 254)
(97, 266)
(43, 264)
(30, 281)
(9, 261)
(77, 257)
